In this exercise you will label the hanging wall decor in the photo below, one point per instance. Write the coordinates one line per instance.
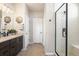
(7, 19)
(19, 19)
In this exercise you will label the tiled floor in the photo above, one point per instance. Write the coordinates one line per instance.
(35, 49)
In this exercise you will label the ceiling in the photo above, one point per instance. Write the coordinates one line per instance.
(36, 7)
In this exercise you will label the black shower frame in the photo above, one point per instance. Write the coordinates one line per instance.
(66, 47)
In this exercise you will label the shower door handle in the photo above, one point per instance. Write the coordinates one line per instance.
(64, 32)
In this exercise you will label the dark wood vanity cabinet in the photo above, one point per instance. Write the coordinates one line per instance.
(4, 48)
(19, 43)
(11, 47)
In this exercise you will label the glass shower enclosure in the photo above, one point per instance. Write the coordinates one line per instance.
(61, 30)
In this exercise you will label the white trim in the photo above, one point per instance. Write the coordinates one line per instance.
(24, 49)
(50, 54)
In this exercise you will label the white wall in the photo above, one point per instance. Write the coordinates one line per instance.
(36, 14)
(49, 28)
(20, 10)
(10, 5)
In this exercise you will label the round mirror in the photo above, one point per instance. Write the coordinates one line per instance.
(19, 19)
(7, 19)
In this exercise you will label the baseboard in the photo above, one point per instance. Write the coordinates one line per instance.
(24, 49)
(50, 54)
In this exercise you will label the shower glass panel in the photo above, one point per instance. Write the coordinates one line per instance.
(61, 31)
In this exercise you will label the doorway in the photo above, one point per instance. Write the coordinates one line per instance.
(37, 30)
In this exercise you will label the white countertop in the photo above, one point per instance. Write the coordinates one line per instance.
(2, 39)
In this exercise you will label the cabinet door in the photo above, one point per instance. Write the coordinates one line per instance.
(4, 48)
(19, 43)
(13, 50)
(13, 47)
(4, 51)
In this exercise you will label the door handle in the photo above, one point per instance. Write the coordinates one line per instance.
(64, 32)
(40, 32)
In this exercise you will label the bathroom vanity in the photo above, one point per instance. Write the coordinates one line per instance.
(11, 45)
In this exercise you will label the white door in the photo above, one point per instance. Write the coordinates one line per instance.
(37, 30)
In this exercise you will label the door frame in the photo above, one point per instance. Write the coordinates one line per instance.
(66, 47)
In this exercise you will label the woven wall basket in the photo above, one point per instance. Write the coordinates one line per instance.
(19, 19)
(7, 19)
